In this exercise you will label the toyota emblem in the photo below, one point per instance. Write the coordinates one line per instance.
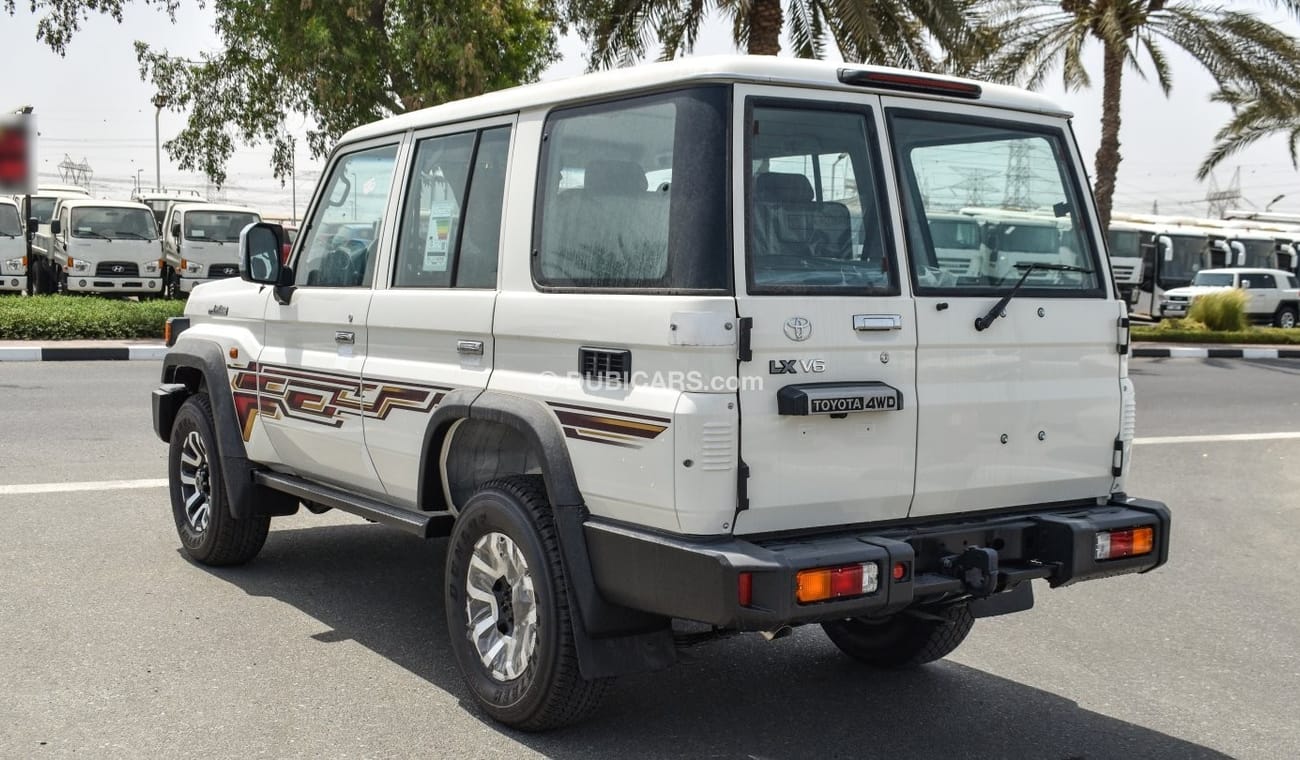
(798, 329)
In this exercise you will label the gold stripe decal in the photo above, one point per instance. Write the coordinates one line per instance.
(608, 426)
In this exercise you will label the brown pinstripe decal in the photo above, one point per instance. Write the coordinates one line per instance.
(607, 426)
(323, 398)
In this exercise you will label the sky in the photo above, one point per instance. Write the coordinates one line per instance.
(92, 106)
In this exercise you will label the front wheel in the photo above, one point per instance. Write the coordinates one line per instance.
(209, 534)
(1286, 317)
(508, 612)
(905, 640)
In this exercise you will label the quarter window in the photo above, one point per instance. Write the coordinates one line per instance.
(344, 232)
(812, 204)
(633, 195)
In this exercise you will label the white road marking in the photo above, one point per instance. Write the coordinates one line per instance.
(90, 485)
(1218, 438)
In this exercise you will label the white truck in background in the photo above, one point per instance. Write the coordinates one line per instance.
(13, 249)
(106, 247)
(200, 243)
(37, 210)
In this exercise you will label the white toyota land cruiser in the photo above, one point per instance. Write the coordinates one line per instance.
(672, 343)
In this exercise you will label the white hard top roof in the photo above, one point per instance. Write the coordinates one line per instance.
(92, 203)
(757, 69)
(185, 208)
(1245, 270)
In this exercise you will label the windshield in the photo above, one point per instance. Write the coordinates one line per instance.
(1178, 271)
(1018, 182)
(9, 221)
(1259, 253)
(219, 226)
(110, 222)
(1124, 243)
(1213, 279)
(955, 234)
(43, 209)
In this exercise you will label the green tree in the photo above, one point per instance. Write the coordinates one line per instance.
(339, 63)
(1038, 37)
(1259, 110)
(918, 34)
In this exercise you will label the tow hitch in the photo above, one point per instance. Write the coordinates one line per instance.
(977, 568)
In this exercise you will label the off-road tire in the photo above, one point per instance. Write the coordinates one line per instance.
(550, 692)
(224, 540)
(1285, 317)
(904, 640)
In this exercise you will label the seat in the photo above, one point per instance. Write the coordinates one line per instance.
(789, 222)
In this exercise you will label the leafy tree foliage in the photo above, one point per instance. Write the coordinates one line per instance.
(339, 63)
(1038, 37)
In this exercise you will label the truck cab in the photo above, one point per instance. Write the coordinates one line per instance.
(106, 247)
(13, 249)
(37, 212)
(201, 243)
(159, 201)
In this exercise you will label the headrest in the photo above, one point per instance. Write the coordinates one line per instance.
(775, 187)
(614, 177)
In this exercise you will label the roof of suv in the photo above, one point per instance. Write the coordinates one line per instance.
(1245, 270)
(730, 68)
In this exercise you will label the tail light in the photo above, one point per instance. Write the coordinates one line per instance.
(1131, 542)
(823, 583)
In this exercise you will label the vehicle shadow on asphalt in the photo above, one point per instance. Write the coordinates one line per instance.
(737, 698)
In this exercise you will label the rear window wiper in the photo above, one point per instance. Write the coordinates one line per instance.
(983, 323)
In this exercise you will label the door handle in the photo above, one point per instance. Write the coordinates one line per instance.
(469, 347)
(877, 322)
(345, 336)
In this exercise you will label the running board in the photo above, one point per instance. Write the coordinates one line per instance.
(422, 524)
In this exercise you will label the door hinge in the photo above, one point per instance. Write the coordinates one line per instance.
(742, 487)
(745, 326)
(1122, 344)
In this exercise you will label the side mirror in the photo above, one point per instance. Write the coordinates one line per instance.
(1166, 247)
(259, 253)
(56, 227)
(33, 223)
(176, 230)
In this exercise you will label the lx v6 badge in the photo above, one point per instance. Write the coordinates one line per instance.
(795, 366)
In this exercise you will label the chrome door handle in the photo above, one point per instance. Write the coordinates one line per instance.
(875, 322)
(469, 347)
(345, 336)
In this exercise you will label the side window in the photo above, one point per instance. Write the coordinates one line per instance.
(344, 230)
(1292, 282)
(812, 211)
(632, 195)
(1257, 281)
(451, 226)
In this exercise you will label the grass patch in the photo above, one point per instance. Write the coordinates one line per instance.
(1223, 311)
(1190, 331)
(83, 317)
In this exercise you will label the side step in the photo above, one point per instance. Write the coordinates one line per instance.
(422, 524)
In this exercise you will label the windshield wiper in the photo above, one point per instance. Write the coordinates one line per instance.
(91, 234)
(135, 235)
(983, 323)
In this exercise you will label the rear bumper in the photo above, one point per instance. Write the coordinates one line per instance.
(698, 579)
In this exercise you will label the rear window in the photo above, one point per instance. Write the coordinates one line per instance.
(220, 226)
(1016, 183)
(632, 195)
(1257, 281)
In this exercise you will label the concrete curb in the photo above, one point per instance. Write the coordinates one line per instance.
(1195, 352)
(81, 353)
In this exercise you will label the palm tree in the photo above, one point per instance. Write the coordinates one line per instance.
(1260, 110)
(1038, 37)
(918, 34)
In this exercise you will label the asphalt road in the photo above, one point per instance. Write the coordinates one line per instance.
(332, 644)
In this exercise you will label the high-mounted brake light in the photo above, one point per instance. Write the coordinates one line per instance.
(887, 80)
(822, 583)
(1131, 542)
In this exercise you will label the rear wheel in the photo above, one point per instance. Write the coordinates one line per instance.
(1285, 317)
(209, 533)
(904, 640)
(508, 613)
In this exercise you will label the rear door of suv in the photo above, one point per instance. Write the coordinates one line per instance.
(1025, 410)
(828, 329)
